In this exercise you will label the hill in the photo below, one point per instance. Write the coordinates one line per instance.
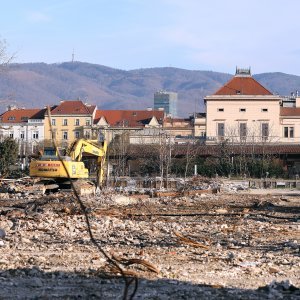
(39, 84)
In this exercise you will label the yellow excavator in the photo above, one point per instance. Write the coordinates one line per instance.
(69, 165)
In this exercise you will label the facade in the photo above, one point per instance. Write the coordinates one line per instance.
(242, 111)
(70, 120)
(132, 123)
(200, 126)
(290, 124)
(26, 126)
(181, 130)
(166, 101)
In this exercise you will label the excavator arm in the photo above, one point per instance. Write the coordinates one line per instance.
(81, 146)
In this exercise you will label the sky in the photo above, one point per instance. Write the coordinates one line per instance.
(214, 35)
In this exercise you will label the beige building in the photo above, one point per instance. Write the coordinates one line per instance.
(290, 124)
(200, 125)
(70, 120)
(242, 111)
(130, 126)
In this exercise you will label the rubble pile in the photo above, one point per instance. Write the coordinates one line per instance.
(206, 246)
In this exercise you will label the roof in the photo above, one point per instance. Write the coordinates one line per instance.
(216, 151)
(242, 85)
(22, 115)
(290, 111)
(73, 107)
(128, 118)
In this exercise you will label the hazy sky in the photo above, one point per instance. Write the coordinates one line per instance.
(215, 35)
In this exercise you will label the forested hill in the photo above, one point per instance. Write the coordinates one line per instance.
(39, 84)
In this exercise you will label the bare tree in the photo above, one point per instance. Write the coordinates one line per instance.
(5, 58)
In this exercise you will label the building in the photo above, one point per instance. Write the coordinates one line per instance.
(200, 125)
(180, 129)
(166, 101)
(132, 123)
(26, 126)
(290, 124)
(242, 111)
(70, 120)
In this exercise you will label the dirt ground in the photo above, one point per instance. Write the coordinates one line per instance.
(209, 246)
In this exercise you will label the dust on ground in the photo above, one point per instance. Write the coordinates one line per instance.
(229, 245)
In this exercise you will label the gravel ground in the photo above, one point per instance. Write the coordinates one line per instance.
(222, 246)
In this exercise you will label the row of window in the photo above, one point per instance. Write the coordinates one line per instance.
(243, 110)
(65, 135)
(35, 135)
(243, 130)
(76, 122)
(288, 131)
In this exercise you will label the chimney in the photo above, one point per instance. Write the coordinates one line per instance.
(11, 107)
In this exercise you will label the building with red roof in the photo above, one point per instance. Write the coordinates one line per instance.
(242, 110)
(26, 126)
(71, 119)
(134, 124)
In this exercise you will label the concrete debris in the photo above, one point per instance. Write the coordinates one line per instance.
(227, 245)
(2, 234)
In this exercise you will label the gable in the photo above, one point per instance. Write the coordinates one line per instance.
(102, 121)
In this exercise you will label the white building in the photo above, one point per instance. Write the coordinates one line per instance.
(26, 126)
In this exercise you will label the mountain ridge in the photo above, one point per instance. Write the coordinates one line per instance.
(40, 84)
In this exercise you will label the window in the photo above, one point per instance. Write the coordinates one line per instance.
(87, 135)
(221, 129)
(77, 122)
(220, 109)
(242, 109)
(35, 135)
(87, 122)
(22, 135)
(265, 130)
(11, 135)
(65, 122)
(53, 122)
(53, 134)
(291, 132)
(264, 110)
(77, 134)
(243, 131)
(24, 118)
(288, 132)
(65, 135)
(11, 118)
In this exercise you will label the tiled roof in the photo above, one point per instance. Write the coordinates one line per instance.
(21, 115)
(242, 85)
(216, 151)
(70, 107)
(128, 118)
(290, 111)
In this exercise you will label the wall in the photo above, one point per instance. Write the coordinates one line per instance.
(71, 128)
(253, 115)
